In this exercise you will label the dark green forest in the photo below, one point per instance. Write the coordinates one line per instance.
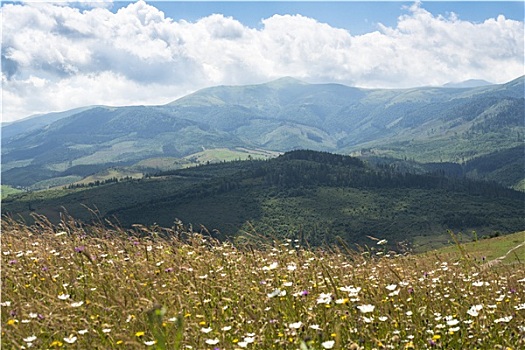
(316, 197)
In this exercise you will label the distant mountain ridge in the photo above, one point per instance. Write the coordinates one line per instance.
(425, 124)
(38, 121)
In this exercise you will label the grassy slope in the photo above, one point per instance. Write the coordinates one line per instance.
(8, 190)
(228, 154)
(109, 174)
(487, 249)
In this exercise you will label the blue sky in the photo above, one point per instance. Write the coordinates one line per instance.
(59, 56)
(358, 17)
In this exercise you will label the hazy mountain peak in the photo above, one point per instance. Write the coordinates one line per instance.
(471, 83)
(237, 94)
(286, 81)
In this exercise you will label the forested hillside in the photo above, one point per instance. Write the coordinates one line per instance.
(312, 196)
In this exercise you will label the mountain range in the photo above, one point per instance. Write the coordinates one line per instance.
(428, 125)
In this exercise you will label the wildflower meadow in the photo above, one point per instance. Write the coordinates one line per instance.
(76, 286)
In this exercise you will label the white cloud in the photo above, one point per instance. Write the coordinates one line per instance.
(56, 57)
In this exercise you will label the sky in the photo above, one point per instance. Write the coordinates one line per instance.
(62, 55)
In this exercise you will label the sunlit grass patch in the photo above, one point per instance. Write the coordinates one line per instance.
(484, 250)
(8, 190)
(76, 286)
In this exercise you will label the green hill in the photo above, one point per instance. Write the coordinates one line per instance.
(314, 197)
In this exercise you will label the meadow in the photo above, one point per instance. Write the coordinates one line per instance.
(76, 286)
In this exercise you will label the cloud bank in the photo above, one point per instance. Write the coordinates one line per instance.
(57, 57)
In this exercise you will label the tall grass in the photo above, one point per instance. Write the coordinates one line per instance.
(92, 287)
